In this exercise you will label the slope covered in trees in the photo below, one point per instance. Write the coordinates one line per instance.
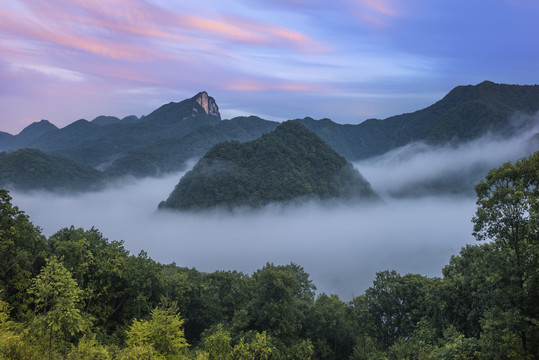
(30, 169)
(287, 164)
(465, 113)
(77, 295)
(171, 154)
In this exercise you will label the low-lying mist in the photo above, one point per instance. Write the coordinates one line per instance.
(419, 169)
(341, 247)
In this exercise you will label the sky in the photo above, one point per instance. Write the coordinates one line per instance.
(348, 60)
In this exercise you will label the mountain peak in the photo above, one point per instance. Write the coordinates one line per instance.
(37, 129)
(207, 103)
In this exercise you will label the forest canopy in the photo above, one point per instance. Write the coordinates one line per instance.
(79, 295)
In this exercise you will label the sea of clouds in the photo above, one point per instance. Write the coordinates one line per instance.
(341, 247)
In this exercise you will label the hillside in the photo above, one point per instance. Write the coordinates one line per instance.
(171, 154)
(30, 169)
(465, 113)
(289, 163)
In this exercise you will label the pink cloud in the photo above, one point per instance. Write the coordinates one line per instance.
(277, 34)
(377, 13)
(27, 28)
(252, 85)
(384, 7)
(88, 19)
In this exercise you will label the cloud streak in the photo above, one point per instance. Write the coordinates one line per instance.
(249, 85)
(101, 28)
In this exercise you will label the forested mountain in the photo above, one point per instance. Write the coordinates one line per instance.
(105, 120)
(288, 163)
(165, 139)
(466, 113)
(77, 295)
(31, 169)
(33, 132)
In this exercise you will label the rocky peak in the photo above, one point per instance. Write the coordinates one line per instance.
(207, 103)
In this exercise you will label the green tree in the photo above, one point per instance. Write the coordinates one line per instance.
(100, 268)
(13, 344)
(457, 346)
(56, 297)
(218, 344)
(508, 214)
(163, 331)
(143, 286)
(367, 346)
(396, 304)
(330, 328)
(89, 348)
(282, 297)
(22, 252)
(213, 298)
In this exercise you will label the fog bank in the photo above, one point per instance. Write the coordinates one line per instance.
(419, 169)
(341, 247)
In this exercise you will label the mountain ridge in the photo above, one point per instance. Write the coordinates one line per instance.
(171, 135)
(92, 143)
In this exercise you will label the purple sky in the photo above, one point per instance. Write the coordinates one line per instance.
(279, 59)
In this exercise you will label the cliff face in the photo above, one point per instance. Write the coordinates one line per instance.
(207, 103)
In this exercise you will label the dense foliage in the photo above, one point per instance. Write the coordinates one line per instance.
(171, 154)
(288, 163)
(77, 295)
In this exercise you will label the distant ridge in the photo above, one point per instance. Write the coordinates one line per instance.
(37, 129)
(105, 120)
(171, 154)
(465, 113)
(106, 138)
